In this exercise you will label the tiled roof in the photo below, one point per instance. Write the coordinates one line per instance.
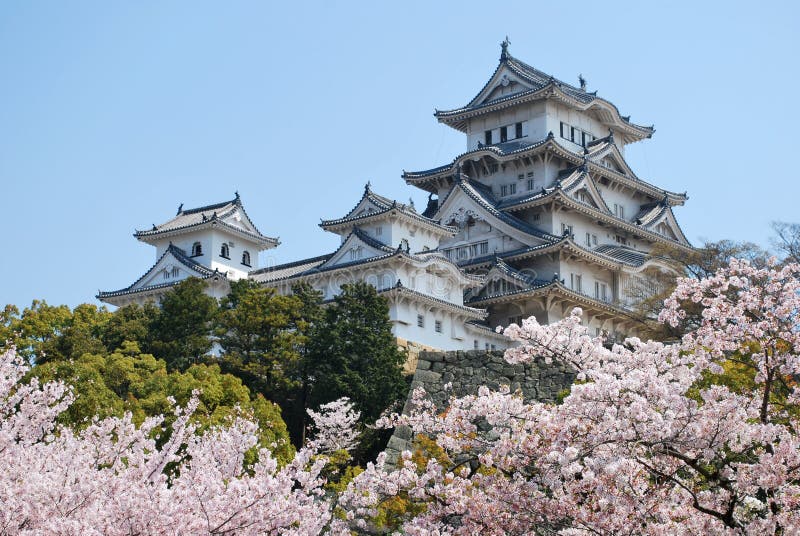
(506, 148)
(609, 253)
(290, 269)
(482, 195)
(385, 206)
(623, 254)
(203, 271)
(400, 289)
(538, 81)
(317, 264)
(196, 217)
(555, 286)
(514, 273)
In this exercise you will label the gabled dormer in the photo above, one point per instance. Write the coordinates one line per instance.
(390, 223)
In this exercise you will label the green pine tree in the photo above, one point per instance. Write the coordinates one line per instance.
(353, 353)
(181, 331)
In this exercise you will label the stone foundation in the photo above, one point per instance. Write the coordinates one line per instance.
(466, 371)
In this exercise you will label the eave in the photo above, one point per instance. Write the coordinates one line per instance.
(388, 214)
(152, 237)
(606, 111)
(558, 196)
(555, 288)
(401, 291)
(427, 180)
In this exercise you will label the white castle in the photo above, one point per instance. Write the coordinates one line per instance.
(540, 214)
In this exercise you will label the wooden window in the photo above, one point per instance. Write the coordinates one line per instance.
(530, 184)
(503, 134)
(197, 249)
(378, 231)
(503, 190)
(475, 345)
(420, 321)
(588, 239)
(518, 130)
(512, 189)
(224, 252)
(246, 258)
(484, 248)
(521, 176)
(437, 326)
(487, 137)
(564, 130)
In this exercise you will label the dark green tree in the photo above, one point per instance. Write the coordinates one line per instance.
(353, 353)
(130, 323)
(181, 330)
(294, 407)
(128, 380)
(258, 331)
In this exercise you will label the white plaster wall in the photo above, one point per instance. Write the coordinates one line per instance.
(211, 242)
(533, 130)
(556, 113)
(589, 275)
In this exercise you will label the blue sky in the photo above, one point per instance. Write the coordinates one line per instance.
(114, 113)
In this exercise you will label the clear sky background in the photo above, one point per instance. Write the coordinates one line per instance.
(114, 113)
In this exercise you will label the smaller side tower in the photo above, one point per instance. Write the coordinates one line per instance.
(216, 242)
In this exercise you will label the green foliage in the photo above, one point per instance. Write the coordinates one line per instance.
(128, 380)
(46, 332)
(353, 353)
(257, 330)
(181, 331)
(130, 323)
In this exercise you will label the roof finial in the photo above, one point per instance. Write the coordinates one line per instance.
(411, 204)
(504, 49)
(367, 186)
(180, 208)
(237, 194)
(582, 82)
(610, 135)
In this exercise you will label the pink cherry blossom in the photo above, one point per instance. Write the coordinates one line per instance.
(630, 450)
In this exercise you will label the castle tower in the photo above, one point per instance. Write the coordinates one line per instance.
(218, 243)
(546, 206)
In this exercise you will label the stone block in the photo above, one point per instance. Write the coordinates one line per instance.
(427, 376)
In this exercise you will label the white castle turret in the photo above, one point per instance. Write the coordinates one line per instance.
(218, 243)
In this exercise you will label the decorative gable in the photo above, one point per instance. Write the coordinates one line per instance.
(173, 266)
(502, 84)
(356, 247)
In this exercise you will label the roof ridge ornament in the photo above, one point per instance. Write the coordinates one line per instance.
(237, 198)
(504, 55)
(582, 82)
(368, 187)
(180, 209)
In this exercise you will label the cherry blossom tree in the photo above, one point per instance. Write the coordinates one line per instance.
(114, 478)
(694, 437)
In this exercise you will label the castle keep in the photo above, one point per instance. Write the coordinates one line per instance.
(540, 214)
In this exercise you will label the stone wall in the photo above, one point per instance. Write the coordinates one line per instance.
(465, 371)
